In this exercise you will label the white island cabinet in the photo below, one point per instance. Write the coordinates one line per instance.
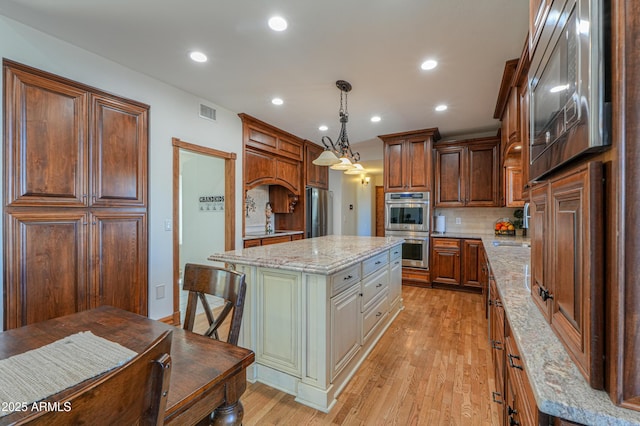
(315, 309)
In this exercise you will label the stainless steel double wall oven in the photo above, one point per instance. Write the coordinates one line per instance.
(408, 215)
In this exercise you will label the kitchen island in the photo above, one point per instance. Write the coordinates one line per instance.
(315, 308)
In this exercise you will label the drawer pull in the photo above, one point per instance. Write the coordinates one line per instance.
(511, 364)
(378, 262)
(495, 344)
(379, 285)
(544, 294)
(494, 394)
(348, 277)
(379, 314)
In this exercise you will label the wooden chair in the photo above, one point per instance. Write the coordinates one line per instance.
(229, 285)
(135, 393)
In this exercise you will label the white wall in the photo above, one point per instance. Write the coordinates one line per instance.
(202, 230)
(174, 113)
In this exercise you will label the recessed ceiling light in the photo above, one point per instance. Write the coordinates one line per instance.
(441, 108)
(198, 56)
(277, 101)
(278, 23)
(323, 128)
(429, 64)
(375, 118)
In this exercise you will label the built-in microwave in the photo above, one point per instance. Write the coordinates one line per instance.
(407, 211)
(569, 96)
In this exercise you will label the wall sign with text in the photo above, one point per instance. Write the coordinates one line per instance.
(212, 203)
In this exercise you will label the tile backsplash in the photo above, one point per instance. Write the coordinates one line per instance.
(255, 203)
(480, 219)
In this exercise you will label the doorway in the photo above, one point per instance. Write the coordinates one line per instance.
(203, 210)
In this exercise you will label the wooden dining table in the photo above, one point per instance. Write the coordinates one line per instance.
(206, 374)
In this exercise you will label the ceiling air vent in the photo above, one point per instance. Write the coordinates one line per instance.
(207, 112)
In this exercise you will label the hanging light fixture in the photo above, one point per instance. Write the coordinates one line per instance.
(339, 155)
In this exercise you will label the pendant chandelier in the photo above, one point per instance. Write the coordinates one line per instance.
(339, 155)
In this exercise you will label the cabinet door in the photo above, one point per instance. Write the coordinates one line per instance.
(279, 319)
(345, 328)
(539, 229)
(483, 188)
(445, 267)
(513, 186)
(417, 159)
(395, 281)
(471, 263)
(576, 267)
(497, 344)
(449, 181)
(45, 266)
(118, 153)
(316, 176)
(119, 251)
(45, 152)
(394, 166)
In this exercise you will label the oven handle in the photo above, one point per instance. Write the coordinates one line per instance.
(415, 240)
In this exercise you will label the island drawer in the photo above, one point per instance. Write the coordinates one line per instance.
(374, 263)
(344, 279)
(372, 286)
(395, 253)
(375, 314)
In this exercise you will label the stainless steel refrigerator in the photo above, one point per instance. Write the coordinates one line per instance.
(319, 212)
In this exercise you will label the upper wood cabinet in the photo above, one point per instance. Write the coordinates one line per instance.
(512, 108)
(567, 229)
(408, 159)
(316, 176)
(69, 147)
(271, 156)
(75, 216)
(538, 10)
(467, 173)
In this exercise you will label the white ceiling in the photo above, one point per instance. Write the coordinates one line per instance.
(376, 45)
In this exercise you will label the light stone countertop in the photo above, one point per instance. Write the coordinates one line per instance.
(321, 255)
(558, 386)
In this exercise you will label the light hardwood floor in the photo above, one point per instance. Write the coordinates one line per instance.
(432, 367)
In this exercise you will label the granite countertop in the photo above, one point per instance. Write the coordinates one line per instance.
(558, 386)
(322, 255)
(258, 235)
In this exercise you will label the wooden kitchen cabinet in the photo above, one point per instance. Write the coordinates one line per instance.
(315, 176)
(76, 167)
(275, 239)
(457, 261)
(263, 168)
(538, 10)
(445, 261)
(467, 173)
(407, 160)
(567, 230)
(512, 108)
(471, 268)
(520, 404)
(497, 345)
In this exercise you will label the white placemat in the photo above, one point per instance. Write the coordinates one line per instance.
(39, 373)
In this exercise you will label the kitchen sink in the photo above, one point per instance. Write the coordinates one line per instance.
(499, 243)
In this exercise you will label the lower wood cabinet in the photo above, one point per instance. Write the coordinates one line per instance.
(445, 261)
(47, 256)
(567, 263)
(457, 261)
(255, 242)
